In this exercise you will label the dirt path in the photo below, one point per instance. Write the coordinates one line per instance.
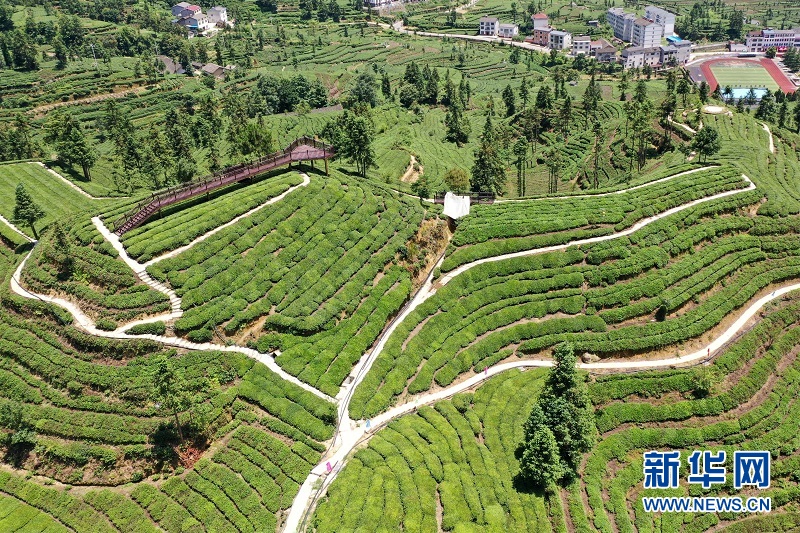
(91, 99)
(411, 175)
(771, 140)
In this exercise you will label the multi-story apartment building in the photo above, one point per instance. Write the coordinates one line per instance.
(663, 17)
(646, 33)
(621, 22)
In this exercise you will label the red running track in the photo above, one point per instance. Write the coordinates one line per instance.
(780, 78)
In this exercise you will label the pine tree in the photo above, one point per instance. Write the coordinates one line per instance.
(26, 211)
(510, 101)
(524, 93)
(488, 172)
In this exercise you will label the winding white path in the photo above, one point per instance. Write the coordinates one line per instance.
(351, 433)
(71, 184)
(636, 227)
(8, 223)
(88, 325)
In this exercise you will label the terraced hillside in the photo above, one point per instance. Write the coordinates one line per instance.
(689, 270)
(80, 410)
(312, 275)
(452, 466)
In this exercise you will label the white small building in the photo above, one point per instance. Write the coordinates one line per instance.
(540, 20)
(218, 15)
(582, 45)
(488, 26)
(663, 17)
(507, 31)
(560, 40)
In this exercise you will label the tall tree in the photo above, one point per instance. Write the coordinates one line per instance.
(457, 180)
(363, 90)
(563, 409)
(510, 101)
(69, 142)
(26, 211)
(457, 125)
(352, 136)
(386, 86)
(707, 142)
(169, 390)
(565, 117)
(521, 151)
(488, 171)
(684, 89)
(524, 93)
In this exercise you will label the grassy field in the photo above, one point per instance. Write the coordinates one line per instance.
(755, 77)
(58, 200)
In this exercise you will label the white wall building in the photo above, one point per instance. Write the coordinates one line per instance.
(646, 33)
(621, 22)
(218, 15)
(582, 45)
(663, 17)
(639, 56)
(507, 31)
(488, 26)
(761, 40)
(560, 40)
(540, 20)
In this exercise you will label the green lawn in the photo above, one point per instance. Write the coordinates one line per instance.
(755, 77)
(57, 199)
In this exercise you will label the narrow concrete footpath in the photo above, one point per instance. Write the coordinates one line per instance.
(350, 433)
(15, 229)
(636, 227)
(71, 184)
(87, 324)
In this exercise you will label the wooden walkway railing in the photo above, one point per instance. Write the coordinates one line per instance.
(302, 149)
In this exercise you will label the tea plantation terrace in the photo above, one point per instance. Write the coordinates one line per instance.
(302, 149)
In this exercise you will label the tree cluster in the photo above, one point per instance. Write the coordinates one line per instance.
(560, 427)
(351, 135)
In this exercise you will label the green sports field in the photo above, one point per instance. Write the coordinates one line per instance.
(754, 76)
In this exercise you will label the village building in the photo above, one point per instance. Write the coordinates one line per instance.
(541, 36)
(560, 40)
(488, 26)
(662, 17)
(507, 31)
(540, 20)
(582, 45)
(646, 33)
(639, 56)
